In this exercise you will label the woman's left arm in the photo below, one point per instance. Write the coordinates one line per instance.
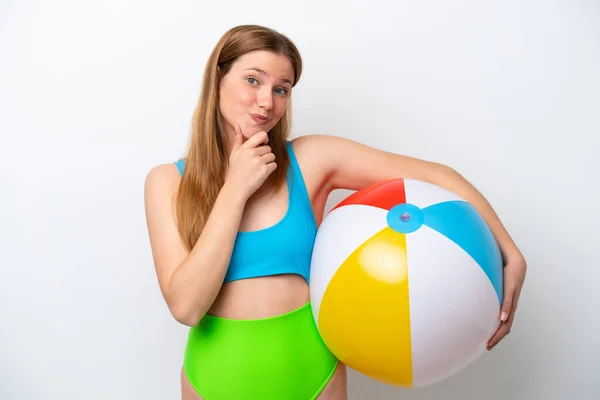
(346, 164)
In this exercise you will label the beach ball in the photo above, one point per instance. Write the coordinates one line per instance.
(405, 282)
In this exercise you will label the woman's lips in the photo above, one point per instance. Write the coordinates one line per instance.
(259, 119)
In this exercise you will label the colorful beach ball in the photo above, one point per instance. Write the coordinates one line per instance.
(406, 282)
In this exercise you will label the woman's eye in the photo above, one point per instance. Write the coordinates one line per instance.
(251, 80)
(281, 91)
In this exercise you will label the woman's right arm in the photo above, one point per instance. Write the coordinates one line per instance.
(189, 280)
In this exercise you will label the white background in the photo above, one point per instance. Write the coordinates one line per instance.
(94, 94)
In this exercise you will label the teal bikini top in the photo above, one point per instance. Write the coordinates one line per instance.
(284, 248)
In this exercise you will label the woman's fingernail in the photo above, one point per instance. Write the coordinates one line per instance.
(504, 316)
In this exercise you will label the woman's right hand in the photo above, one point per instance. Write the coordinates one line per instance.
(250, 162)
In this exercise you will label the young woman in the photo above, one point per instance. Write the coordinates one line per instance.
(232, 226)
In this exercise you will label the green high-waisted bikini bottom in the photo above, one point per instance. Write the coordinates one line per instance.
(281, 357)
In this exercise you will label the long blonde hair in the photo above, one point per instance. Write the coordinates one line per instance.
(206, 158)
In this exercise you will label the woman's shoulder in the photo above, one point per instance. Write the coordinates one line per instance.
(313, 147)
(162, 178)
(313, 153)
(311, 142)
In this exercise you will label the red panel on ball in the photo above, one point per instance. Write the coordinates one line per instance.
(383, 195)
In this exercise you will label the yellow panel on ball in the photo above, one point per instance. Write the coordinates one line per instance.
(377, 341)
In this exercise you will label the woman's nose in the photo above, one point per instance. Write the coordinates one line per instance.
(265, 98)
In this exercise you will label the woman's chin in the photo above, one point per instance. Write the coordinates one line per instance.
(251, 131)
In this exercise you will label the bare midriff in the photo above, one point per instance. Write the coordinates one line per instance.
(260, 297)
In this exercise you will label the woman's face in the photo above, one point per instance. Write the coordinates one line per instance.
(254, 93)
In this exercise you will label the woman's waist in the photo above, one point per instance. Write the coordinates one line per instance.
(251, 349)
(261, 297)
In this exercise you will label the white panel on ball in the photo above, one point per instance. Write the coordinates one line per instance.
(453, 306)
(424, 194)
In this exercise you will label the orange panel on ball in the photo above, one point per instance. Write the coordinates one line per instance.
(365, 316)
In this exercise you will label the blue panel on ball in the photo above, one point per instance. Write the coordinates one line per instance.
(460, 222)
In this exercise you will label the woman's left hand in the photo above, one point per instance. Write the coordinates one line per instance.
(514, 276)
